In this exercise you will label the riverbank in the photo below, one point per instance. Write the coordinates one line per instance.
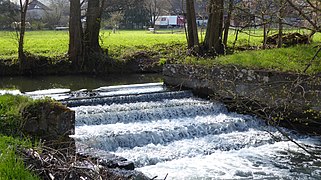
(40, 65)
(35, 144)
(286, 99)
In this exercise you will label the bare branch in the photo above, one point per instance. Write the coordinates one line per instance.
(299, 10)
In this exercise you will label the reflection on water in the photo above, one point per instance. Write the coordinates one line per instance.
(74, 82)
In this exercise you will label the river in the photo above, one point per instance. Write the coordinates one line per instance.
(175, 135)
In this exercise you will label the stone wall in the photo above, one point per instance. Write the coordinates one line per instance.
(49, 121)
(285, 98)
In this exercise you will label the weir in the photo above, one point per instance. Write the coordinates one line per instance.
(176, 135)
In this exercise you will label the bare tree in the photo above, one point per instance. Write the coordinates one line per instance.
(310, 11)
(23, 13)
(280, 16)
(115, 19)
(155, 8)
(58, 15)
(228, 21)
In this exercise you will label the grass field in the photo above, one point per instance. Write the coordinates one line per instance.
(125, 42)
(55, 43)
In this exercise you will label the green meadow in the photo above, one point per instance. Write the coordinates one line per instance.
(168, 44)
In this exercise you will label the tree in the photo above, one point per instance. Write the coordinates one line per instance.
(115, 20)
(280, 16)
(84, 49)
(228, 21)
(23, 13)
(92, 28)
(310, 11)
(213, 38)
(58, 15)
(75, 35)
(8, 13)
(155, 8)
(136, 15)
(192, 34)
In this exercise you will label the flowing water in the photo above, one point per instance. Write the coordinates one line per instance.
(178, 136)
(174, 135)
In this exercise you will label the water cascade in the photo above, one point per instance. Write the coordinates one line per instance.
(176, 135)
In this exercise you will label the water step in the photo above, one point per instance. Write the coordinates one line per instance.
(132, 87)
(131, 98)
(114, 136)
(83, 110)
(148, 114)
(152, 154)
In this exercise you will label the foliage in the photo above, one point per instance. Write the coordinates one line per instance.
(12, 166)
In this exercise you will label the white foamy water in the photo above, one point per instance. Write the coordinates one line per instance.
(80, 110)
(57, 94)
(178, 136)
(48, 92)
(268, 161)
(13, 92)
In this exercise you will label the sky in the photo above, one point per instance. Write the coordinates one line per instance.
(43, 1)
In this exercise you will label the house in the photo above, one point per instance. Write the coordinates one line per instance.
(174, 21)
(37, 10)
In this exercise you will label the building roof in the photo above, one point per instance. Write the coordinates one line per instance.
(35, 4)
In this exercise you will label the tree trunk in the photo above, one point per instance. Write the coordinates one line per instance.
(228, 22)
(23, 13)
(192, 40)
(213, 37)
(280, 16)
(264, 31)
(93, 19)
(75, 35)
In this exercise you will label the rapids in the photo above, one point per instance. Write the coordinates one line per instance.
(175, 135)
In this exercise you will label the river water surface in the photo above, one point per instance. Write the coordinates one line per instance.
(175, 135)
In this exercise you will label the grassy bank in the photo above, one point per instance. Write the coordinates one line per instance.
(11, 164)
(292, 59)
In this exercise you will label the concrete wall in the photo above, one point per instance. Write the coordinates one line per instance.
(281, 97)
